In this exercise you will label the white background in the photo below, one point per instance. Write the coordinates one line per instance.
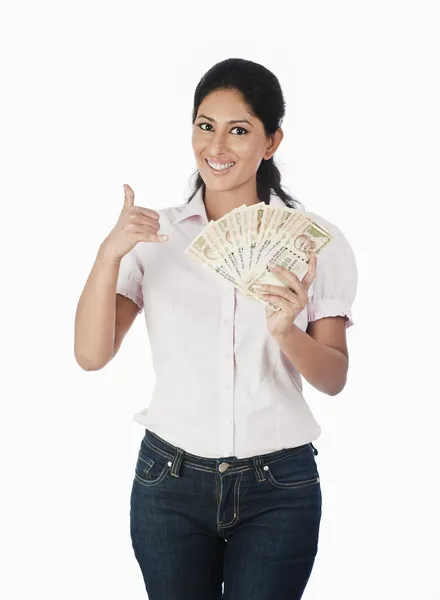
(98, 94)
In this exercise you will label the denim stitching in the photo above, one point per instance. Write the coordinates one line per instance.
(236, 503)
(147, 483)
(296, 484)
(150, 463)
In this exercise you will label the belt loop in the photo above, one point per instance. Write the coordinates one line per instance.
(258, 461)
(315, 451)
(177, 462)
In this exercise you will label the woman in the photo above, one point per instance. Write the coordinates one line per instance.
(226, 487)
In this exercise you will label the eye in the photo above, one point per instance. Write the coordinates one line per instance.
(209, 125)
(243, 129)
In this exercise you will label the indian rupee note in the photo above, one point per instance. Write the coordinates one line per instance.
(256, 215)
(294, 253)
(207, 252)
(225, 234)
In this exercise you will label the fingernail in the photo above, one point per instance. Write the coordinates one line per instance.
(164, 237)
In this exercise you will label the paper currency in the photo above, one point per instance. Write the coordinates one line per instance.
(243, 243)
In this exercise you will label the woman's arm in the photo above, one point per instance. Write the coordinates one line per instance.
(321, 354)
(96, 314)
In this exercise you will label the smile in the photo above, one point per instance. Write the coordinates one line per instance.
(220, 168)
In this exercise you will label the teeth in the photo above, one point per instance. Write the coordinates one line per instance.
(220, 167)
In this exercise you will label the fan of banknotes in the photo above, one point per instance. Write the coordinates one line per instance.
(243, 243)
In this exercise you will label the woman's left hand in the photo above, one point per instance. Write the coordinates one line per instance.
(292, 299)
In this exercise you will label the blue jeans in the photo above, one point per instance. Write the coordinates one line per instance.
(251, 523)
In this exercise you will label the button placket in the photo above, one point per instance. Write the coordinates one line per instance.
(227, 371)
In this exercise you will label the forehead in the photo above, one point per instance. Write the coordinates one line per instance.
(225, 104)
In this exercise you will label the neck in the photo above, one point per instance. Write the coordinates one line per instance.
(218, 203)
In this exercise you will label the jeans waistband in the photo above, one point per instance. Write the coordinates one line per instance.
(177, 455)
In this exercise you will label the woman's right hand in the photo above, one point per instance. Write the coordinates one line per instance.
(135, 224)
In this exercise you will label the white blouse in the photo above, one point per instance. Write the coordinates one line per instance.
(223, 385)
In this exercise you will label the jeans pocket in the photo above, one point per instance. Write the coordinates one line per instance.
(151, 467)
(294, 470)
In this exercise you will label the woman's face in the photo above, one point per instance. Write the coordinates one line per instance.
(225, 132)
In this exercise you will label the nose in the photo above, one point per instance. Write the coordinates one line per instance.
(218, 144)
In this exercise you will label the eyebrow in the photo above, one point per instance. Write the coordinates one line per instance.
(228, 122)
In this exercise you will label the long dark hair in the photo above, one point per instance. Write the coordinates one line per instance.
(262, 93)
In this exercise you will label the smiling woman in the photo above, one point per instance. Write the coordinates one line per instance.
(225, 149)
(237, 116)
(227, 454)
(230, 151)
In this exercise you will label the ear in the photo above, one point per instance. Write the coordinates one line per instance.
(274, 142)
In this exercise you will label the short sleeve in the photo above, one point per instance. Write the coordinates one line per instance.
(335, 284)
(130, 278)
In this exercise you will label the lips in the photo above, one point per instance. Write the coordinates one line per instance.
(220, 171)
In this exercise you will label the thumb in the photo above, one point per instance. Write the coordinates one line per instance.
(128, 196)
